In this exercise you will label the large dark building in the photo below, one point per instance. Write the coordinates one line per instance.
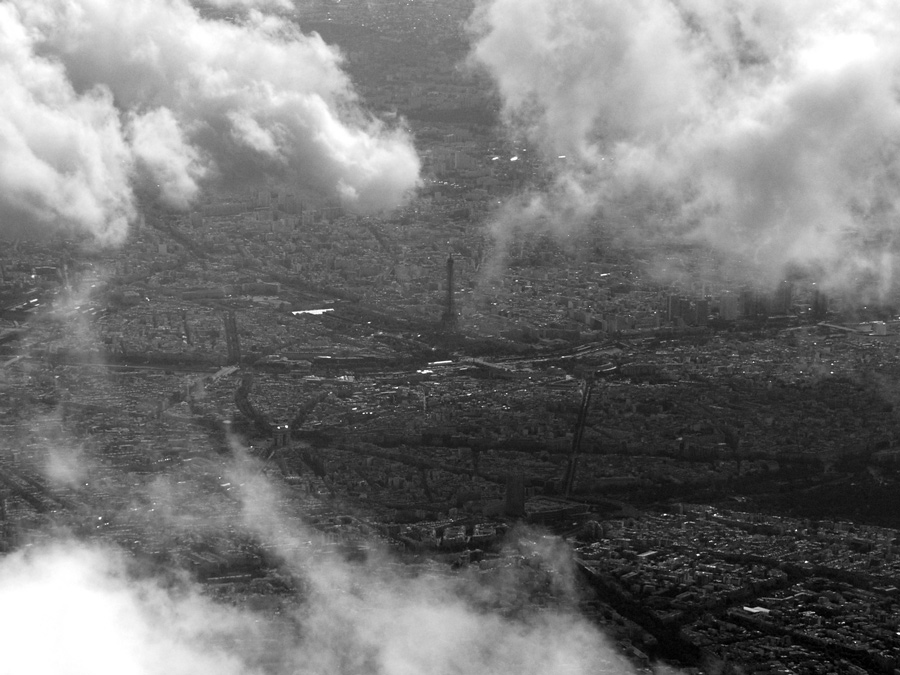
(515, 495)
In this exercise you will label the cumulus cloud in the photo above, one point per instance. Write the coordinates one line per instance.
(162, 151)
(103, 95)
(63, 157)
(99, 618)
(768, 130)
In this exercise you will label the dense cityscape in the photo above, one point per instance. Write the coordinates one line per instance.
(697, 462)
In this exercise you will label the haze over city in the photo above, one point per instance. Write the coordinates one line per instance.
(400, 336)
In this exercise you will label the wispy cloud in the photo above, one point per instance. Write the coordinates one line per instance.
(75, 607)
(769, 131)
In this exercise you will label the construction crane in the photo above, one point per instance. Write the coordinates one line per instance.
(588, 384)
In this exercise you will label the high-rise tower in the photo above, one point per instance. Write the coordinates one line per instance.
(232, 340)
(449, 318)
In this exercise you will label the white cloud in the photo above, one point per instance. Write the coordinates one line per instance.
(86, 608)
(251, 4)
(72, 608)
(101, 93)
(62, 155)
(161, 149)
(768, 130)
